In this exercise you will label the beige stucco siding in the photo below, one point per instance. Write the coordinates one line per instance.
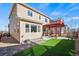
(29, 35)
(14, 28)
(23, 13)
(19, 18)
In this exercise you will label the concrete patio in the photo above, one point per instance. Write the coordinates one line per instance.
(9, 46)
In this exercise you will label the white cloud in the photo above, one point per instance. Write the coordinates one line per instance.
(71, 20)
(77, 17)
(71, 7)
(74, 8)
(60, 5)
(43, 5)
(67, 19)
(65, 14)
(3, 28)
(55, 13)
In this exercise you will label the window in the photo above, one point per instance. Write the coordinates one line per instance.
(33, 28)
(39, 17)
(45, 19)
(38, 28)
(27, 27)
(29, 13)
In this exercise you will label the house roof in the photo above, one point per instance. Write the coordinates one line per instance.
(12, 9)
(29, 7)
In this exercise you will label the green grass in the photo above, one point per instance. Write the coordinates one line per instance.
(51, 48)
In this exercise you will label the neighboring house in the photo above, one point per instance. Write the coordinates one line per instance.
(26, 22)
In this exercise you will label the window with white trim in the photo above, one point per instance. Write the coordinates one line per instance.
(27, 27)
(46, 20)
(39, 17)
(30, 13)
(33, 28)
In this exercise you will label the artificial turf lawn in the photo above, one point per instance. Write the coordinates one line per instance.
(51, 47)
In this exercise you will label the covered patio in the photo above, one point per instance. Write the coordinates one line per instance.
(54, 28)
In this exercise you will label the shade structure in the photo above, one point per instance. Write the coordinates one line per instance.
(53, 25)
(59, 23)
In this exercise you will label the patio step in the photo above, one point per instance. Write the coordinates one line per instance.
(37, 41)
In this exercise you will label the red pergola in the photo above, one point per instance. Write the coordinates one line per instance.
(59, 23)
(55, 25)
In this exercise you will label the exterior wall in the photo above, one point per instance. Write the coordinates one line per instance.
(14, 24)
(17, 26)
(14, 28)
(29, 35)
(23, 13)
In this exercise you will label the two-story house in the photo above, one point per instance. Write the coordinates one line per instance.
(26, 22)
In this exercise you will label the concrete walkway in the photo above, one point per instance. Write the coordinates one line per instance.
(8, 49)
(9, 46)
(37, 41)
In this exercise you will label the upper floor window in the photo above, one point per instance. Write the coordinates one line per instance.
(27, 27)
(30, 13)
(46, 20)
(39, 17)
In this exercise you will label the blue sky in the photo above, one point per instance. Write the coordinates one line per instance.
(68, 11)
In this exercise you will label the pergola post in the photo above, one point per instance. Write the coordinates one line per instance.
(48, 30)
(60, 31)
